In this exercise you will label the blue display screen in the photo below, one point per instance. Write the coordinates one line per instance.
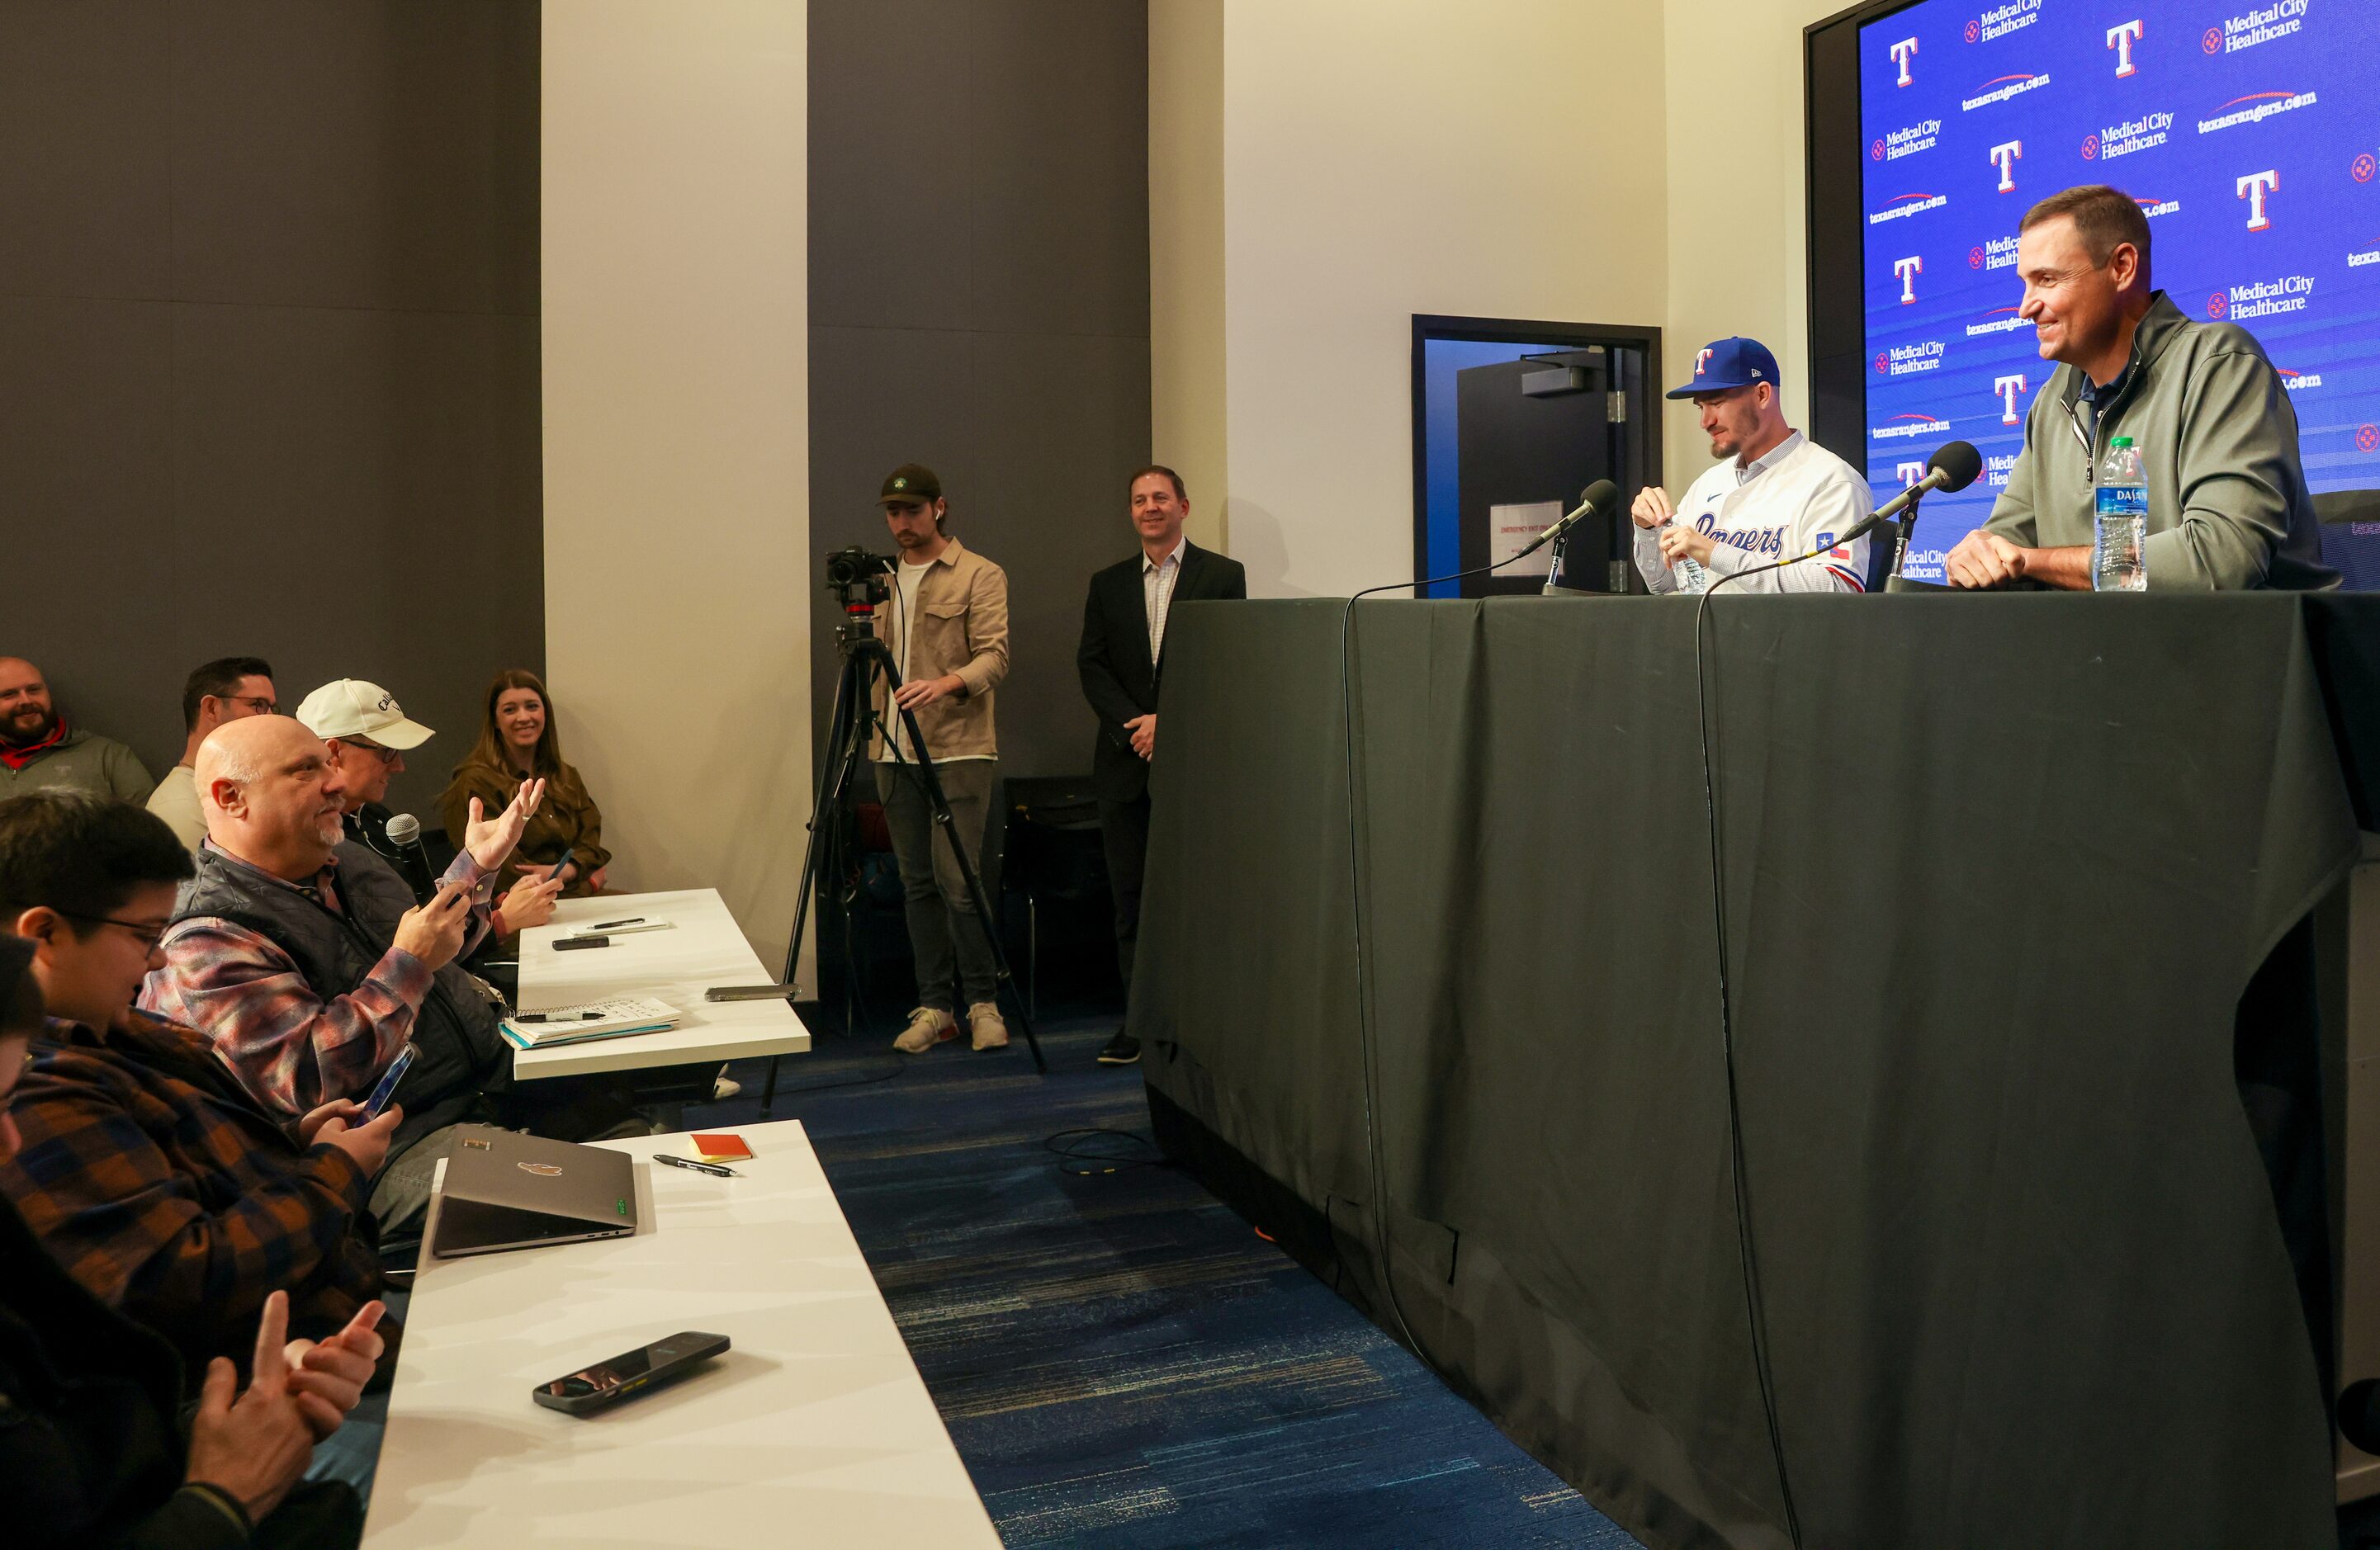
(2250, 135)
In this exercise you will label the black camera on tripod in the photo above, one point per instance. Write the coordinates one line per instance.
(857, 577)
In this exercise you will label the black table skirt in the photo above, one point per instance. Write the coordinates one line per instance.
(1997, 871)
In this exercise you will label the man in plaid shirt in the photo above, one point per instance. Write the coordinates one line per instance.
(145, 1169)
(293, 1047)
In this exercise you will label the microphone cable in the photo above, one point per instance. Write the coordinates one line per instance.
(1754, 1307)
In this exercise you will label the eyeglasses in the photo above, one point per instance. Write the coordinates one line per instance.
(151, 933)
(387, 756)
(257, 704)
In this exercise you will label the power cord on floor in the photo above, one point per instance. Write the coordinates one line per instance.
(1100, 1163)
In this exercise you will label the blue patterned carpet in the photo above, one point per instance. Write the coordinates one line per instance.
(1122, 1360)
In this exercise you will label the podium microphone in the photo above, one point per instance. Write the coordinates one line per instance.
(1600, 496)
(1953, 466)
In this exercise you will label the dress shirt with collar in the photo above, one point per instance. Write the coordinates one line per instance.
(292, 1049)
(1158, 579)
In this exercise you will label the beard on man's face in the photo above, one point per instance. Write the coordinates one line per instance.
(27, 724)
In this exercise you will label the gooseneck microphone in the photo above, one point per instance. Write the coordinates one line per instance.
(1953, 466)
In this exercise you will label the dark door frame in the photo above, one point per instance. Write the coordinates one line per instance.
(1427, 326)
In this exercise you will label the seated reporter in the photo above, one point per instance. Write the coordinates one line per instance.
(368, 734)
(517, 741)
(143, 1164)
(2229, 508)
(99, 1445)
(309, 977)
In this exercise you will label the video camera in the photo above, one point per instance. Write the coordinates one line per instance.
(857, 579)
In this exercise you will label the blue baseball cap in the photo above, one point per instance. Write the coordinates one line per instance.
(1731, 363)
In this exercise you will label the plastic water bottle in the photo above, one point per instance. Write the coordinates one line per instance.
(2119, 539)
(1692, 576)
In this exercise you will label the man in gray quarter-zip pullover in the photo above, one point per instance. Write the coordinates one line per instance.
(2229, 508)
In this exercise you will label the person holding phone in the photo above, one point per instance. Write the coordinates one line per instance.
(517, 741)
(154, 1179)
(101, 1444)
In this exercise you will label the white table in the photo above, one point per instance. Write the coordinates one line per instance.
(704, 948)
(814, 1430)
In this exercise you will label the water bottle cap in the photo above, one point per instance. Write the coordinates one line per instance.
(2121, 441)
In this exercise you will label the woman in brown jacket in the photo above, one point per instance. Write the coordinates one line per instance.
(517, 742)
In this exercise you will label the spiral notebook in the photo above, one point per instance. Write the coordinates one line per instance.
(615, 1018)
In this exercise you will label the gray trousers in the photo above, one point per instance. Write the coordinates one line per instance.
(942, 924)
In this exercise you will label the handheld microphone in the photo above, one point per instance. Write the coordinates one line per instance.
(405, 833)
(1600, 496)
(1953, 466)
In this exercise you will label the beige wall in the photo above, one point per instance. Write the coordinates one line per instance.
(676, 445)
(1379, 158)
(1185, 256)
(1738, 197)
(1366, 160)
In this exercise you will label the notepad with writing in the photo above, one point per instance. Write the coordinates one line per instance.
(544, 1027)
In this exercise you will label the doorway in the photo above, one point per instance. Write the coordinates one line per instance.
(1511, 420)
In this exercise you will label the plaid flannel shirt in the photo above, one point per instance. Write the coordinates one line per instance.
(161, 1185)
(293, 1051)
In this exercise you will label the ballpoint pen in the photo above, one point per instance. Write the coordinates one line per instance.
(712, 1168)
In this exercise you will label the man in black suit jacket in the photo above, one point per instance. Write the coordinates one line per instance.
(1121, 662)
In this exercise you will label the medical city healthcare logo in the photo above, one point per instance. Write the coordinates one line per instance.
(2001, 20)
(2264, 25)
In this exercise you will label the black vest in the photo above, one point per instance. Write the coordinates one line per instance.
(462, 1054)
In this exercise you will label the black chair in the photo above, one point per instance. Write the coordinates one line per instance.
(1055, 864)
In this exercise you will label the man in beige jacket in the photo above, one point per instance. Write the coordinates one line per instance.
(947, 627)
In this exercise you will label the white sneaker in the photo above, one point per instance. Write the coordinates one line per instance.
(928, 1027)
(983, 1021)
(724, 1087)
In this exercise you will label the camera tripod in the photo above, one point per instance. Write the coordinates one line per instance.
(855, 716)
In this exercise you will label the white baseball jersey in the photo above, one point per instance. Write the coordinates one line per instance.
(1791, 501)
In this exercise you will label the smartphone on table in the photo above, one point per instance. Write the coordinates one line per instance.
(607, 1383)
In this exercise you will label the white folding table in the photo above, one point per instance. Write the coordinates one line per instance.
(815, 1428)
(704, 946)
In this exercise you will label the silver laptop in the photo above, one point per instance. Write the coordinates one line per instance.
(507, 1191)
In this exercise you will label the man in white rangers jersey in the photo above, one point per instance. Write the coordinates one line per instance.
(1778, 494)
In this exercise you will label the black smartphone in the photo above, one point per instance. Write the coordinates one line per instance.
(607, 1383)
(567, 852)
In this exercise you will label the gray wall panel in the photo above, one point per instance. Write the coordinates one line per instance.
(85, 95)
(320, 440)
(979, 302)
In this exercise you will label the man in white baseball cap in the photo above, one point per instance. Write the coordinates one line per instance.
(368, 733)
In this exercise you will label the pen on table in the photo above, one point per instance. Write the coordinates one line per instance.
(712, 1168)
(610, 925)
(556, 1017)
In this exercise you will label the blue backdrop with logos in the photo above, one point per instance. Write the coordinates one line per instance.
(2249, 133)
